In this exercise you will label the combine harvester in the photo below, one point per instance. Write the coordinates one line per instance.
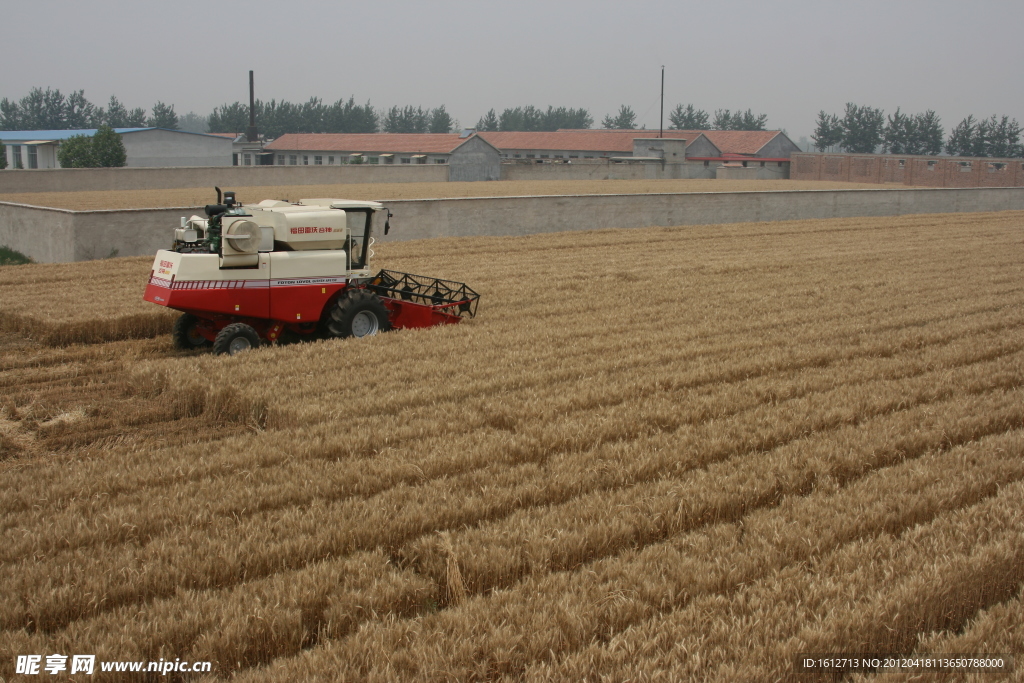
(281, 272)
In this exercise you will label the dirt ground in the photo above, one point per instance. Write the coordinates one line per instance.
(198, 196)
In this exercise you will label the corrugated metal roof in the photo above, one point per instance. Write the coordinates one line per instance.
(52, 135)
(26, 135)
(419, 143)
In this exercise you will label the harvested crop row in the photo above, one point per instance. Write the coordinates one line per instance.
(249, 624)
(214, 554)
(997, 631)
(330, 463)
(871, 595)
(338, 470)
(561, 537)
(422, 426)
(549, 616)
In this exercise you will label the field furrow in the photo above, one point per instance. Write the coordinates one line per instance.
(550, 616)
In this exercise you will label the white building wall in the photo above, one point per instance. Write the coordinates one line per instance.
(168, 148)
(308, 158)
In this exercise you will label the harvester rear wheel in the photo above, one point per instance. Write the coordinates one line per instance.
(359, 313)
(236, 338)
(185, 333)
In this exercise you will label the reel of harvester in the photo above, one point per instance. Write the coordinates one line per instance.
(421, 301)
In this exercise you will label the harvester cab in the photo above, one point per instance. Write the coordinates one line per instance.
(275, 271)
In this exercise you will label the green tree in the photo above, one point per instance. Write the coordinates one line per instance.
(163, 117)
(564, 117)
(230, 118)
(3, 156)
(76, 152)
(862, 128)
(748, 120)
(345, 117)
(521, 118)
(136, 118)
(624, 120)
(742, 120)
(108, 148)
(961, 138)
(1004, 137)
(981, 141)
(900, 136)
(117, 115)
(407, 119)
(488, 122)
(193, 123)
(10, 115)
(441, 121)
(929, 133)
(688, 118)
(79, 112)
(828, 133)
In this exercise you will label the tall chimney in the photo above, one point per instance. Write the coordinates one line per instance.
(252, 135)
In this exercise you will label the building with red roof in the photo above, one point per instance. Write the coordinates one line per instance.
(693, 153)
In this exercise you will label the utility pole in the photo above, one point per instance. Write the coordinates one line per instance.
(661, 119)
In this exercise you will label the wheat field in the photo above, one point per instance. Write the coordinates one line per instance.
(199, 196)
(685, 453)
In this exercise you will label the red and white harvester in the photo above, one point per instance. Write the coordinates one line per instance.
(279, 271)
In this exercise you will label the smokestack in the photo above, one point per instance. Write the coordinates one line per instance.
(252, 135)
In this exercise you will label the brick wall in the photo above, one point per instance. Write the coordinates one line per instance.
(921, 171)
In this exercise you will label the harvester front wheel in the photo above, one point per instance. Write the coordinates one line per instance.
(236, 338)
(185, 333)
(360, 313)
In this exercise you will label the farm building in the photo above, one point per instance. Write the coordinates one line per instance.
(470, 157)
(705, 151)
(143, 147)
(701, 145)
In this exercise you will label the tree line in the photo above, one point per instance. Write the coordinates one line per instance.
(52, 110)
(861, 129)
(864, 130)
(681, 118)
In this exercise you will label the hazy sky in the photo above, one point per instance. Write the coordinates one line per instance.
(785, 59)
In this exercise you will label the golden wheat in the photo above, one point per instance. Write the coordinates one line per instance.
(640, 428)
(199, 196)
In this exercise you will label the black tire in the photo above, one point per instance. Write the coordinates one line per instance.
(185, 334)
(359, 313)
(236, 338)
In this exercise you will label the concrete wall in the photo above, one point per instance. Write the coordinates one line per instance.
(160, 148)
(475, 159)
(921, 171)
(52, 235)
(591, 169)
(603, 169)
(724, 172)
(85, 179)
(415, 219)
(46, 235)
